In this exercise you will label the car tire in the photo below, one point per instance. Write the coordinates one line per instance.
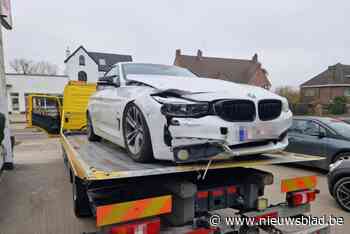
(339, 192)
(145, 152)
(90, 130)
(80, 199)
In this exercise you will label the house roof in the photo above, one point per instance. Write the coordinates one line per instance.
(110, 59)
(338, 74)
(236, 70)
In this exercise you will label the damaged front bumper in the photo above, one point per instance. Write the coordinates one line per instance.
(224, 139)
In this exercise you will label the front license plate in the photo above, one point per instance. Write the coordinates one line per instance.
(244, 134)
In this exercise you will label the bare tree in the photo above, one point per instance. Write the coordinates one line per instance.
(293, 95)
(26, 66)
(44, 67)
(21, 65)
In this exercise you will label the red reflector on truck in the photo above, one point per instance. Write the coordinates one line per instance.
(202, 194)
(217, 193)
(231, 189)
(301, 197)
(311, 196)
(146, 227)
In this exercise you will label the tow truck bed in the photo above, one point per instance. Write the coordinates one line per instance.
(104, 160)
(125, 195)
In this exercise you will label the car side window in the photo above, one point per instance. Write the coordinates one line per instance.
(298, 126)
(312, 128)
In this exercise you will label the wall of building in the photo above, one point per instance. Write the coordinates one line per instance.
(19, 85)
(305, 96)
(260, 80)
(323, 95)
(73, 67)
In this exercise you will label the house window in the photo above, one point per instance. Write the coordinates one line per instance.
(82, 76)
(310, 92)
(347, 92)
(102, 62)
(81, 60)
(15, 101)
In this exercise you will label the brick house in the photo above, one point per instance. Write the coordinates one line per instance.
(244, 71)
(331, 83)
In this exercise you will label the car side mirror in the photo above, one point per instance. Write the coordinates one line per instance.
(321, 134)
(108, 81)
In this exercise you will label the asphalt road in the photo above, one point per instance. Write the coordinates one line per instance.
(36, 196)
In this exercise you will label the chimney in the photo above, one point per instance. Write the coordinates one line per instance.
(178, 52)
(255, 58)
(67, 52)
(199, 54)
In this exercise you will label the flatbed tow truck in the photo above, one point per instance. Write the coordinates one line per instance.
(127, 197)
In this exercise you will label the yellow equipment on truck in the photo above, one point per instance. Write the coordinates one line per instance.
(50, 112)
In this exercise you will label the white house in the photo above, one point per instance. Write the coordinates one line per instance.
(88, 66)
(18, 86)
(80, 65)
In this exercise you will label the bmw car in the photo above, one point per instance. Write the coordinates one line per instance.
(167, 113)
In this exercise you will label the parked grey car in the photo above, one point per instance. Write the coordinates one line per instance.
(320, 136)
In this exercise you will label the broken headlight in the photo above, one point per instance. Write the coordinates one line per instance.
(185, 109)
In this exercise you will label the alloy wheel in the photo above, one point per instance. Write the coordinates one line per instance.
(343, 194)
(134, 130)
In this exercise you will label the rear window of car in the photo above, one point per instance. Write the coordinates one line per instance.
(339, 126)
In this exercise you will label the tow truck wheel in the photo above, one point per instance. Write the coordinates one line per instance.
(90, 130)
(342, 193)
(80, 199)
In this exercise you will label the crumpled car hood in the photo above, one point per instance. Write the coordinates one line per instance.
(204, 88)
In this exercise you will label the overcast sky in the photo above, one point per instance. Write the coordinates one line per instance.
(295, 40)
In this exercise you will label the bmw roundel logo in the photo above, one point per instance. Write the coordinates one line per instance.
(251, 95)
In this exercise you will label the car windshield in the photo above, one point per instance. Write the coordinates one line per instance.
(339, 126)
(155, 69)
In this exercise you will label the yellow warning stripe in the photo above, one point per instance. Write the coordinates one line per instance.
(133, 210)
(299, 183)
(76, 165)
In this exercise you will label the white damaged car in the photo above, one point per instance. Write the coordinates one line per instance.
(167, 113)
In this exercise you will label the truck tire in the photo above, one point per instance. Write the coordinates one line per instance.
(138, 146)
(80, 199)
(90, 130)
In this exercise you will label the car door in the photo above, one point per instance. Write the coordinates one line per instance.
(98, 106)
(308, 137)
(111, 106)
